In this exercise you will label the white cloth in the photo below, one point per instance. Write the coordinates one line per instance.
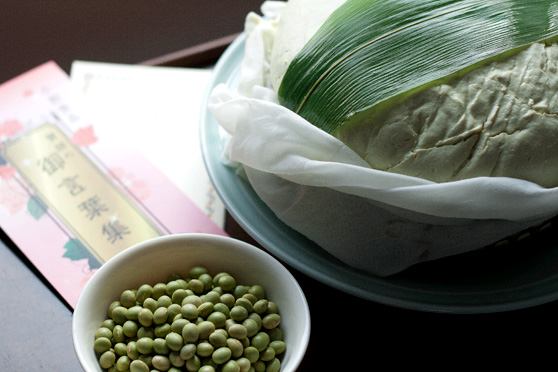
(375, 221)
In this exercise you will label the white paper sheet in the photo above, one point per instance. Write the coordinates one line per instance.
(153, 110)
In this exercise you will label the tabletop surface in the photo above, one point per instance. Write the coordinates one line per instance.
(346, 330)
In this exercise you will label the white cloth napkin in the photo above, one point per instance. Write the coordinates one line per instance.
(372, 220)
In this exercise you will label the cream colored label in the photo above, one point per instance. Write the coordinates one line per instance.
(89, 204)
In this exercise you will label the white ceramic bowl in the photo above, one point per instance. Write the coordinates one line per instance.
(153, 260)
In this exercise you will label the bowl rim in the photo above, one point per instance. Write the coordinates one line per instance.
(78, 316)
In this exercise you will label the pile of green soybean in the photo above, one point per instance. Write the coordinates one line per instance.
(198, 323)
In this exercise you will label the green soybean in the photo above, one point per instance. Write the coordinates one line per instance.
(161, 362)
(217, 276)
(123, 363)
(207, 281)
(102, 344)
(162, 330)
(173, 310)
(243, 364)
(146, 332)
(275, 334)
(218, 339)
(250, 297)
(192, 299)
(207, 368)
(188, 351)
(128, 298)
(206, 328)
(221, 355)
(271, 321)
(204, 349)
(118, 314)
(227, 283)
(257, 318)
(268, 354)
(252, 354)
(159, 290)
(145, 317)
(172, 286)
(240, 290)
(245, 303)
(178, 325)
(260, 306)
(196, 271)
(174, 341)
(145, 291)
(164, 301)
(108, 323)
(144, 345)
(212, 296)
(130, 328)
(193, 364)
(259, 366)
(236, 347)
(278, 346)
(132, 312)
(138, 366)
(160, 346)
(273, 366)
(196, 286)
(150, 303)
(132, 351)
(239, 313)
(112, 306)
(217, 318)
(251, 327)
(222, 308)
(231, 366)
(272, 307)
(238, 331)
(176, 360)
(103, 332)
(205, 309)
(107, 359)
(160, 315)
(146, 358)
(258, 291)
(179, 295)
(190, 311)
(120, 348)
(228, 299)
(118, 334)
(260, 341)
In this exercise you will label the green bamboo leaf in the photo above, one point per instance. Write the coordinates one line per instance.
(371, 54)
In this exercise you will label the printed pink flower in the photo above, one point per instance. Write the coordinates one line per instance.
(7, 172)
(139, 188)
(87, 276)
(13, 197)
(9, 128)
(84, 136)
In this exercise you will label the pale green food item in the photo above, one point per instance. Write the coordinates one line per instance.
(157, 334)
(500, 119)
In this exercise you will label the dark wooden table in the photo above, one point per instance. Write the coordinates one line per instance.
(348, 333)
